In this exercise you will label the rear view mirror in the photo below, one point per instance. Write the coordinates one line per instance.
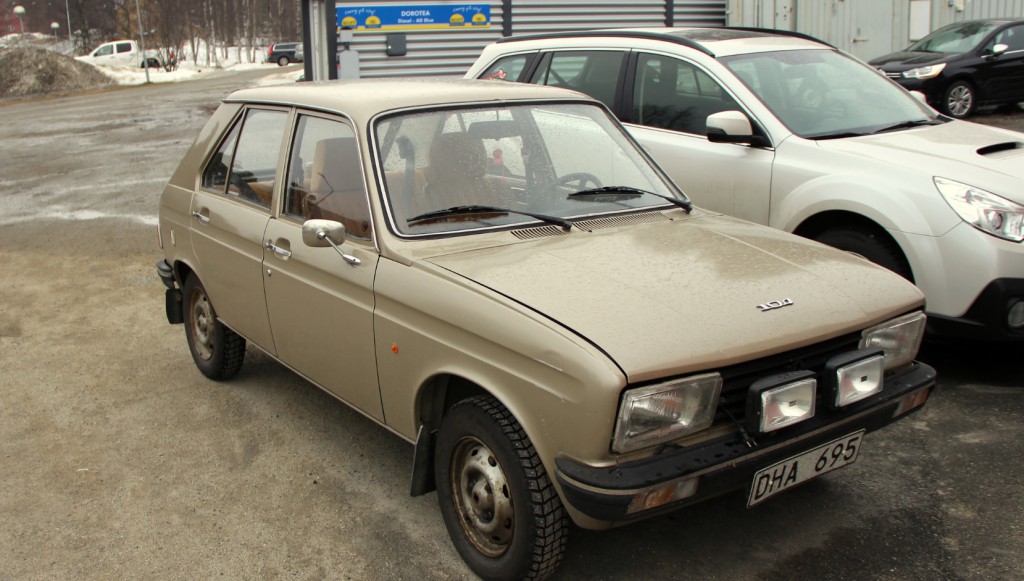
(323, 233)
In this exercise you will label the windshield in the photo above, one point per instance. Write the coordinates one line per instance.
(525, 159)
(961, 37)
(822, 93)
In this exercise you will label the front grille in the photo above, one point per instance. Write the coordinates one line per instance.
(894, 75)
(737, 379)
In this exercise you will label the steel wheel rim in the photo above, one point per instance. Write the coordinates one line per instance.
(482, 498)
(201, 324)
(959, 101)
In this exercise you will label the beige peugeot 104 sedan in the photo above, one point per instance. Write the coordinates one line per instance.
(499, 275)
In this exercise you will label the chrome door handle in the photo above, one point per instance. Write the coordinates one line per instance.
(201, 217)
(285, 254)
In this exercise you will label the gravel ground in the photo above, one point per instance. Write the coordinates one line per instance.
(121, 461)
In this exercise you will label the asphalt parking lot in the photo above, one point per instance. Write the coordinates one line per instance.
(121, 461)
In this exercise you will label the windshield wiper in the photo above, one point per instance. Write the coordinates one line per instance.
(616, 191)
(478, 209)
(907, 125)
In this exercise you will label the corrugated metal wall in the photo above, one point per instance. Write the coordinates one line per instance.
(710, 13)
(443, 52)
(866, 28)
(539, 16)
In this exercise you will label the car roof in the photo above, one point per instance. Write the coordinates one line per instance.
(366, 97)
(715, 42)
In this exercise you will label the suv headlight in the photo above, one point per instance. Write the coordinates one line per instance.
(659, 413)
(984, 210)
(924, 72)
(899, 338)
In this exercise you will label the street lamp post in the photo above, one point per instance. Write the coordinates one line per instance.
(20, 11)
(142, 41)
(55, 26)
(67, 9)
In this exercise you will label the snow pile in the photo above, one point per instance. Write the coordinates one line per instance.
(33, 71)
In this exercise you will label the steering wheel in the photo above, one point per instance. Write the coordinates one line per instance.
(582, 180)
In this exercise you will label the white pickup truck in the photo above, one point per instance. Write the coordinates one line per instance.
(124, 53)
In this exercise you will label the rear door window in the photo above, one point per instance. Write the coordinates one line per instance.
(595, 73)
(245, 165)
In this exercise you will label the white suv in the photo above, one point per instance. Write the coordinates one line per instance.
(782, 129)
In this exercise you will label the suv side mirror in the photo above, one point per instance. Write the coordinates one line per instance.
(732, 127)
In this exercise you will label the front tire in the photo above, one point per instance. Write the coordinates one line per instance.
(499, 506)
(217, 350)
(959, 100)
(873, 244)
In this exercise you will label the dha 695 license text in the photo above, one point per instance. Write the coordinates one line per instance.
(784, 475)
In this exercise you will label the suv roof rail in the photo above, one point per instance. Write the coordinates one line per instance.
(615, 34)
(791, 33)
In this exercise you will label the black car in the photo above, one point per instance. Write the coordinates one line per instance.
(283, 53)
(963, 66)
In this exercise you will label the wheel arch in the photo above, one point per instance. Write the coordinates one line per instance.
(819, 223)
(435, 397)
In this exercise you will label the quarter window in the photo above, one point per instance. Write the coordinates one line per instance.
(325, 177)
(673, 94)
(245, 165)
(508, 68)
(595, 73)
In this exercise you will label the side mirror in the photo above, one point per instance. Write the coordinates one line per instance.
(732, 127)
(998, 49)
(323, 233)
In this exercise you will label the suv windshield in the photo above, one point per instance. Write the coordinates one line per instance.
(523, 159)
(823, 94)
(954, 38)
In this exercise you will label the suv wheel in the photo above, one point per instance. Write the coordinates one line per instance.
(499, 506)
(283, 61)
(869, 243)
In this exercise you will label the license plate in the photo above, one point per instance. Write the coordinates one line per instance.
(786, 474)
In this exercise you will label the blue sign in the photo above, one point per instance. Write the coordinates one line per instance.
(414, 16)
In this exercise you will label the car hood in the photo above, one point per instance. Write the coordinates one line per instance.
(909, 59)
(978, 155)
(681, 296)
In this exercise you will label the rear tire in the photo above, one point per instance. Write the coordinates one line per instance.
(499, 506)
(283, 61)
(871, 243)
(959, 100)
(217, 350)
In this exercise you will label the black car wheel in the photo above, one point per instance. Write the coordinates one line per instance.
(283, 61)
(217, 350)
(499, 506)
(959, 100)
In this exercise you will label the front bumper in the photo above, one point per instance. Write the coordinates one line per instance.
(987, 318)
(727, 463)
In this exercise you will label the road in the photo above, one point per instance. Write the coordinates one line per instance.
(121, 461)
